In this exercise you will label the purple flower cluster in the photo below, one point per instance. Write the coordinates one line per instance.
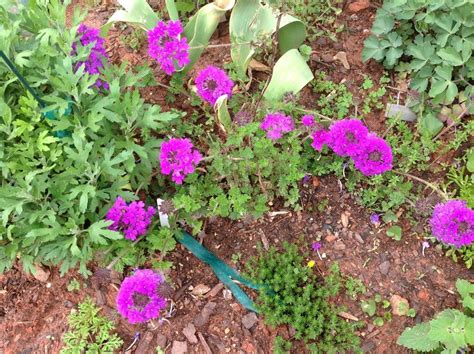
(97, 56)
(213, 83)
(166, 46)
(178, 158)
(138, 299)
(308, 120)
(453, 223)
(132, 219)
(277, 124)
(349, 137)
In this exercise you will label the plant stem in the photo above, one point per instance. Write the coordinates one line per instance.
(426, 183)
(315, 113)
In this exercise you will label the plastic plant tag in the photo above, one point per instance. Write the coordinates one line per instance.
(163, 217)
(405, 113)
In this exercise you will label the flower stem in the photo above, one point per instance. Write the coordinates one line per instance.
(426, 183)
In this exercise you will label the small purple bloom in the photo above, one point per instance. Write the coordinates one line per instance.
(315, 246)
(167, 47)
(308, 120)
(97, 56)
(277, 124)
(375, 218)
(320, 138)
(138, 299)
(424, 246)
(453, 223)
(306, 179)
(374, 156)
(178, 158)
(213, 83)
(346, 137)
(133, 219)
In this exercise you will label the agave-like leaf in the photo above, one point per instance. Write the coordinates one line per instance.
(201, 27)
(136, 12)
(223, 115)
(290, 74)
(252, 22)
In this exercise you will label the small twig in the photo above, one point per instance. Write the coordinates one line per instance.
(455, 122)
(430, 185)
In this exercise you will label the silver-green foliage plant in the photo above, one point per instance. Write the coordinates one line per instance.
(54, 192)
(450, 331)
(90, 332)
(437, 39)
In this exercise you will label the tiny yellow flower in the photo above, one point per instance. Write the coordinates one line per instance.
(311, 264)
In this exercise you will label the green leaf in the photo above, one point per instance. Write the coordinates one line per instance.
(99, 232)
(449, 328)
(172, 11)
(369, 307)
(470, 162)
(200, 29)
(466, 290)
(395, 232)
(451, 56)
(416, 338)
(373, 49)
(378, 321)
(383, 23)
(430, 124)
(223, 116)
(136, 12)
(290, 74)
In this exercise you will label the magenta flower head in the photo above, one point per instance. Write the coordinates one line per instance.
(315, 246)
(167, 47)
(132, 219)
(213, 83)
(277, 124)
(374, 156)
(453, 223)
(97, 56)
(139, 299)
(178, 158)
(320, 138)
(346, 136)
(308, 120)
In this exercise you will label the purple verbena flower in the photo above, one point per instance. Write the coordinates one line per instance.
(178, 158)
(375, 219)
(315, 246)
(346, 136)
(277, 124)
(306, 179)
(374, 156)
(132, 219)
(308, 120)
(167, 47)
(320, 138)
(97, 55)
(213, 83)
(453, 223)
(138, 299)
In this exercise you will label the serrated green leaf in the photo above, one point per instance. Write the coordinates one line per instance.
(451, 56)
(373, 49)
(466, 290)
(430, 124)
(384, 22)
(449, 328)
(395, 232)
(416, 338)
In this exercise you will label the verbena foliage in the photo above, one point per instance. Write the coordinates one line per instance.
(55, 191)
(450, 331)
(90, 332)
(437, 39)
(292, 294)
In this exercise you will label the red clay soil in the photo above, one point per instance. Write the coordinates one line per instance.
(33, 314)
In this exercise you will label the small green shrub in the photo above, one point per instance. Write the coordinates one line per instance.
(292, 294)
(89, 332)
(450, 331)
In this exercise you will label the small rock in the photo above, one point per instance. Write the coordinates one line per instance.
(179, 347)
(41, 273)
(339, 246)
(227, 330)
(249, 320)
(395, 302)
(206, 312)
(227, 294)
(330, 238)
(200, 290)
(189, 332)
(327, 58)
(359, 5)
(215, 290)
(342, 57)
(248, 347)
(344, 220)
(161, 340)
(358, 238)
(145, 344)
(423, 295)
(321, 41)
(384, 267)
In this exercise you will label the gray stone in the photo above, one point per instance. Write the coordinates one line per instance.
(179, 347)
(249, 320)
(384, 267)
